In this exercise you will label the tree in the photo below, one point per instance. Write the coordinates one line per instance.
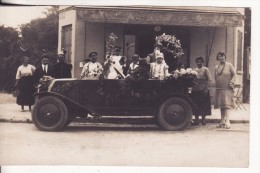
(9, 51)
(8, 40)
(40, 36)
(36, 38)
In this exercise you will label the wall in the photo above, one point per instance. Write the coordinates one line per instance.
(79, 53)
(68, 18)
(91, 37)
(225, 39)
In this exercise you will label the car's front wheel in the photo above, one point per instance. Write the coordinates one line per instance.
(175, 114)
(50, 114)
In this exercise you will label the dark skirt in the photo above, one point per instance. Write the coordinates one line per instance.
(26, 90)
(202, 101)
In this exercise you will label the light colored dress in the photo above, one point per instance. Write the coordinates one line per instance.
(159, 71)
(115, 64)
(224, 74)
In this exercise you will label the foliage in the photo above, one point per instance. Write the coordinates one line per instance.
(170, 44)
(36, 38)
(44, 83)
(40, 36)
(9, 57)
(110, 44)
(8, 40)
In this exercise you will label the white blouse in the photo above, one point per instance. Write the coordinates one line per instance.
(25, 71)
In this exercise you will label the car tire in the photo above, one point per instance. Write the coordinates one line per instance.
(50, 114)
(175, 114)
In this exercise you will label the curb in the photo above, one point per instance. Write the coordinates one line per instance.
(84, 120)
(25, 120)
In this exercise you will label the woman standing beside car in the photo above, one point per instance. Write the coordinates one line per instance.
(24, 84)
(200, 92)
(225, 79)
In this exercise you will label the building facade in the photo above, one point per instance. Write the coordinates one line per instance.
(203, 31)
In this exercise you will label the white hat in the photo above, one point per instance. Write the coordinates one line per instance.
(159, 55)
(60, 53)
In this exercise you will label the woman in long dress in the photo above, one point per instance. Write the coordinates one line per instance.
(225, 79)
(200, 92)
(24, 84)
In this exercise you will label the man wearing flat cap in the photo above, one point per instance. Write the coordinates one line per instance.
(61, 69)
(92, 69)
(159, 69)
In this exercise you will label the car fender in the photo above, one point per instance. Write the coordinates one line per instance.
(71, 105)
(186, 97)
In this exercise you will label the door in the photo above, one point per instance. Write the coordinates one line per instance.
(66, 41)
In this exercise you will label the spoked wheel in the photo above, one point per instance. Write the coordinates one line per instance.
(175, 114)
(50, 114)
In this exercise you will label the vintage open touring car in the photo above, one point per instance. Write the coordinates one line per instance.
(59, 101)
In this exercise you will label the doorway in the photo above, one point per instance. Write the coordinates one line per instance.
(143, 39)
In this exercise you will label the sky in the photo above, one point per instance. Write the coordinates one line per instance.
(13, 16)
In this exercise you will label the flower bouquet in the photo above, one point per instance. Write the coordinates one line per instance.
(170, 44)
(186, 77)
(44, 83)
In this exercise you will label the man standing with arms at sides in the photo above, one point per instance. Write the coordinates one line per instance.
(62, 69)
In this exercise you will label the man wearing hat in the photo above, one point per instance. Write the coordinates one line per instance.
(62, 69)
(159, 69)
(92, 69)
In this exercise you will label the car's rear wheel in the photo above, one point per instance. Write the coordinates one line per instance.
(175, 114)
(50, 114)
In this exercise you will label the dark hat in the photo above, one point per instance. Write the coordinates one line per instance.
(199, 59)
(142, 62)
(44, 56)
(117, 48)
(92, 54)
(158, 45)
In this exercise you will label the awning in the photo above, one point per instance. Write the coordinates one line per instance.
(183, 16)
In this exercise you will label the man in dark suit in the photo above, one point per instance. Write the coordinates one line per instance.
(62, 69)
(44, 69)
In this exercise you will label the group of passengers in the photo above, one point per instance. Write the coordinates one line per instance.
(153, 67)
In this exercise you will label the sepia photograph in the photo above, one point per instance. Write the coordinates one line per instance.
(128, 85)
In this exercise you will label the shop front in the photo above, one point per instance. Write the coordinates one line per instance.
(203, 31)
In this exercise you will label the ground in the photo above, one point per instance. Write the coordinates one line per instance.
(81, 144)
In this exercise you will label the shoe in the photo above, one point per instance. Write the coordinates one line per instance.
(227, 126)
(220, 125)
(194, 123)
(204, 123)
